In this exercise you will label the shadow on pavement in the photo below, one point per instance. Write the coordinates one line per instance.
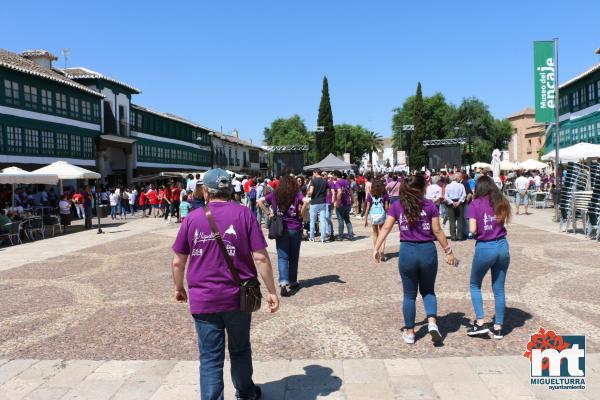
(449, 323)
(317, 382)
(514, 318)
(320, 280)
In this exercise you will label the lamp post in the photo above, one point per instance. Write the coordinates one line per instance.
(408, 129)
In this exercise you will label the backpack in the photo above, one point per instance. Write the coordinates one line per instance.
(377, 211)
(252, 194)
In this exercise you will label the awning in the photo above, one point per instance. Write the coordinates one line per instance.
(330, 163)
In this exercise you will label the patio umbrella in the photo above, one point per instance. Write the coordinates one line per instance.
(481, 165)
(64, 170)
(15, 175)
(506, 165)
(577, 152)
(532, 164)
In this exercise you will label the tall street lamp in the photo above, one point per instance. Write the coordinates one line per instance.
(408, 129)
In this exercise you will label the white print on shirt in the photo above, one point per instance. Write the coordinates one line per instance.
(488, 218)
(201, 237)
(403, 221)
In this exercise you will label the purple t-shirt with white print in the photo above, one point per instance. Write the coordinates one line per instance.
(292, 219)
(482, 211)
(329, 196)
(211, 285)
(344, 185)
(421, 231)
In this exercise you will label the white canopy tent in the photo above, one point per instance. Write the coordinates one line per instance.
(64, 170)
(532, 164)
(577, 152)
(15, 175)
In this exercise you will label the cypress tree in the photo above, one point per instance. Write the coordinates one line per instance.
(418, 152)
(325, 141)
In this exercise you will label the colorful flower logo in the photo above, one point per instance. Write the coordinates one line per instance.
(546, 340)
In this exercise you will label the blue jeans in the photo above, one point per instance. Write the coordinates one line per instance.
(328, 220)
(418, 265)
(320, 210)
(211, 344)
(343, 215)
(113, 212)
(492, 256)
(288, 254)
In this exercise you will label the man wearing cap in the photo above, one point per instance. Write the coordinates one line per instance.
(213, 294)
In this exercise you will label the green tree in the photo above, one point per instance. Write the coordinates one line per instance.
(325, 143)
(418, 152)
(285, 131)
(352, 139)
(374, 144)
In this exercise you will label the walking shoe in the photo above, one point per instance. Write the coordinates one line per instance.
(409, 338)
(256, 396)
(285, 291)
(436, 336)
(477, 330)
(496, 333)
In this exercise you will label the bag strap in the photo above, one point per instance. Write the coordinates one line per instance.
(219, 239)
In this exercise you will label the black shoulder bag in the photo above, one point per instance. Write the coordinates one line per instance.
(250, 295)
(276, 227)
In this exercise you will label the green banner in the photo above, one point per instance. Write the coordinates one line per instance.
(544, 70)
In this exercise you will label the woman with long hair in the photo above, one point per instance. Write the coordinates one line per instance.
(288, 202)
(197, 198)
(376, 211)
(419, 223)
(488, 214)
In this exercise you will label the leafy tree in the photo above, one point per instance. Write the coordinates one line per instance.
(375, 144)
(353, 139)
(326, 140)
(284, 131)
(287, 131)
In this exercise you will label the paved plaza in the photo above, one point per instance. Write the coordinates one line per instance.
(89, 316)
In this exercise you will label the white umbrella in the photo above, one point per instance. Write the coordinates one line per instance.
(577, 152)
(532, 164)
(64, 170)
(15, 175)
(481, 165)
(506, 165)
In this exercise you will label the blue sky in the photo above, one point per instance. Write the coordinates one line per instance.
(243, 64)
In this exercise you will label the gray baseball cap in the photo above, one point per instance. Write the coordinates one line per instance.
(216, 179)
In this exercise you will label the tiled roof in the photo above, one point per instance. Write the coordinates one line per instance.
(169, 116)
(19, 63)
(85, 73)
(585, 73)
(38, 53)
(236, 140)
(525, 111)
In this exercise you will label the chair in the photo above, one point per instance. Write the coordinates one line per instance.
(36, 225)
(13, 232)
(539, 199)
(52, 221)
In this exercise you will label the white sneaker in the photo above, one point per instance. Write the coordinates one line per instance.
(408, 338)
(436, 336)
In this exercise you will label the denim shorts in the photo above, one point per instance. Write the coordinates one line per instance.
(522, 201)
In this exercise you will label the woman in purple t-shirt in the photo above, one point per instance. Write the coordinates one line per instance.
(287, 201)
(488, 213)
(419, 223)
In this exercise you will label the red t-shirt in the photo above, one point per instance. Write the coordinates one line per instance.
(142, 198)
(248, 185)
(77, 198)
(175, 194)
(153, 197)
(167, 194)
(274, 183)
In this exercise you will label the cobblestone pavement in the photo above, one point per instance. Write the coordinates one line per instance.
(113, 301)
(452, 378)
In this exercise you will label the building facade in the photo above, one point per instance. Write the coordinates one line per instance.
(88, 119)
(237, 155)
(528, 137)
(579, 110)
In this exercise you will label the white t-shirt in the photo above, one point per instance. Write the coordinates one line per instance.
(114, 199)
(237, 185)
(538, 181)
(521, 183)
(433, 192)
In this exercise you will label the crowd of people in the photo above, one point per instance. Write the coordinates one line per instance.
(418, 203)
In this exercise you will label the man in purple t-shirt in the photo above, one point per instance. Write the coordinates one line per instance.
(214, 297)
(343, 203)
